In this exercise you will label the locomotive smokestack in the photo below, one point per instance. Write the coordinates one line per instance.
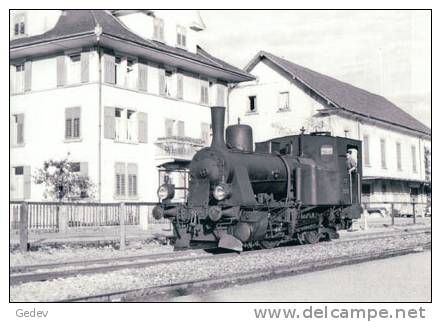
(217, 125)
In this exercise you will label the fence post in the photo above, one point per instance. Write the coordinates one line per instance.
(392, 211)
(414, 213)
(24, 246)
(122, 224)
(63, 220)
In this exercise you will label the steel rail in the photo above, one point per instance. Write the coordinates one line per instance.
(167, 258)
(162, 293)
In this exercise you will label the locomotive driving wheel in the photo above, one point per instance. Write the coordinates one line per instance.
(268, 244)
(308, 237)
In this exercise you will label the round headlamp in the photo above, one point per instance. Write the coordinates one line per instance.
(221, 192)
(165, 192)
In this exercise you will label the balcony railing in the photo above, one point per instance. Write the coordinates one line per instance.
(178, 147)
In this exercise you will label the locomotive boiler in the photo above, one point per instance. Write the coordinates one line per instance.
(300, 188)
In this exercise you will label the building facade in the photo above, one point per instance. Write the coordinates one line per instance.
(120, 92)
(286, 98)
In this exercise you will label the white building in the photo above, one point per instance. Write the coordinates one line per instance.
(120, 91)
(286, 97)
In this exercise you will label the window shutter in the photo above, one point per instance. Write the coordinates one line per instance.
(169, 128)
(85, 67)
(84, 168)
(20, 128)
(220, 95)
(161, 81)
(27, 182)
(109, 122)
(28, 76)
(132, 174)
(61, 70)
(142, 127)
(120, 179)
(109, 69)
(181, 129)
(142, 77)
(180, 87)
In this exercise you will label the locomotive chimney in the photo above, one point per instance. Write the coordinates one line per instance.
(217, 125)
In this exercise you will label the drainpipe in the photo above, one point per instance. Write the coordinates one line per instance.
(98, 31)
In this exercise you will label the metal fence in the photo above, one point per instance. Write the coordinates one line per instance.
(46, 216)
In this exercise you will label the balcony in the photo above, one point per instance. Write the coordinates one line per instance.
(177, 147)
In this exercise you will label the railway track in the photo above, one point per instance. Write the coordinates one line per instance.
(46, 272)
(163, 293)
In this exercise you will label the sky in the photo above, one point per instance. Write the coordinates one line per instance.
(384, 52)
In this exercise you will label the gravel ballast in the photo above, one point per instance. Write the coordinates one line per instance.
(164, 274)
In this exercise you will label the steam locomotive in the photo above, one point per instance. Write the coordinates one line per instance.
(300, 188)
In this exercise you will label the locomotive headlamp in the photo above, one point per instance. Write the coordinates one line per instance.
(221, 192)
(166, 191)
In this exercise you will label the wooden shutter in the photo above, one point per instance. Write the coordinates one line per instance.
(181, 129)
(220, 95)
(28, 76)
(142, 77)
(120, 179)
(61, 70)
(84, 168)
(161, 78)
(142, 127)
(20, 128)
(366, 150)
(180, 87)
(85, 67)
(109, 122)
(169, 128)
(109, 69)
(132, 175)
(27, 182)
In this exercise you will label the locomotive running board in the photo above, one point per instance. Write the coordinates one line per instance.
(228, 241)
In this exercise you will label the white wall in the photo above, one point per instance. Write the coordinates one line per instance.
(37, 21)
(268, 122)
(142, 25)
(44, 124)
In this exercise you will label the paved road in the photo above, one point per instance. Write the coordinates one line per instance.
(400, 279)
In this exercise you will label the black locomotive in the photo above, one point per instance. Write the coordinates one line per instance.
(299, 188)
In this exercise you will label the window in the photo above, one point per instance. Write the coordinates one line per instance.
(366, 150)
(383, 187)
(168, 82)
(252, 104)
(126, 180)
(19, 79)
(120, 73)
(72, 128)
(17, 129)
(20, 182)
(131, 77)
(75, 167)
(366, 189)
(181, 35)
(383, 153)
(284, 101)
(158, 29)
(74, 69)
(174, 128)
(125, 125)
(126, 128)
(414, 161)
(205, 132)
(399, 156)
(204, 92)
(19, 25)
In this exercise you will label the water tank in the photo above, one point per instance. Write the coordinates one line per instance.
(240, 137)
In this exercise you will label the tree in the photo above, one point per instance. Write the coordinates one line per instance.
(61, 183)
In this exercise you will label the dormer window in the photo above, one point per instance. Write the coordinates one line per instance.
(19, 25)
(181, 34)
(158, 29)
